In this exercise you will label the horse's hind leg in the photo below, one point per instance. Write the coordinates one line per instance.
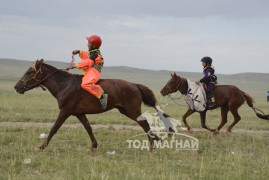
(151, 136)
(142, 121)
(236, 119)
(83, 119)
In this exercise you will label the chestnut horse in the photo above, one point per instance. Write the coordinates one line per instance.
(73, 100)
(227, 97)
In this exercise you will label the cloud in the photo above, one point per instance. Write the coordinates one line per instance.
(149, 34)
(175, 8)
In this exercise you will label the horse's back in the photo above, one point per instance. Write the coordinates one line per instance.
(118, 86)
(106, 84)
(110, 86)
(228, 92)
(227, 89)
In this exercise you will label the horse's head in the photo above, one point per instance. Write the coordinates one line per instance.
(172, 85)
(31, 78)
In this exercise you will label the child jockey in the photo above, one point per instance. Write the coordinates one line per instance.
(92, 63)
(209, 79)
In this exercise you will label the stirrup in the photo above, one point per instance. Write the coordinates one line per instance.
(211, 104)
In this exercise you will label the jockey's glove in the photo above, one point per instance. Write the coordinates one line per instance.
(75, 52)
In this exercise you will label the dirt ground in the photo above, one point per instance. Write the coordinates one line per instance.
(114, 126)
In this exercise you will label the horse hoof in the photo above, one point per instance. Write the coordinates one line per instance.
(152, 149)
(170, 135)
(213, 130)
(228, 133)
(190, 130)
(40, 147)
(94, 148)
(216, 132)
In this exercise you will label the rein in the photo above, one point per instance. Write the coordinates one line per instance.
(72, 61)
(26, 86)
(174, 99)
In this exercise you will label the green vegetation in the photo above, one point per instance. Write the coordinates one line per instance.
(238, 156)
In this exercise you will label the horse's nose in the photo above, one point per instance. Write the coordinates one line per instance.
(162, 92)
(18, 90)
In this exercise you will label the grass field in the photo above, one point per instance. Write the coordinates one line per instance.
(239, 156)
(242, 155)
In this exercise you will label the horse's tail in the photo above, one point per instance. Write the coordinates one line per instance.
(150, 100)
(147, 95)
(250, 102)
(249, 99)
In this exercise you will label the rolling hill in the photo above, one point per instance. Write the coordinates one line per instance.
(253, 83)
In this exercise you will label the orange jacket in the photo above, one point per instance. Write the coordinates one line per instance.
(86, 63)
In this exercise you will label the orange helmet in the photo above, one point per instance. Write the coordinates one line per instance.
(96, 40)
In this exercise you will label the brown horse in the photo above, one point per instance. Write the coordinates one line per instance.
(227, 97)
(73, 100)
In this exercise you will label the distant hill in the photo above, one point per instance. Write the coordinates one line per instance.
(257, 83)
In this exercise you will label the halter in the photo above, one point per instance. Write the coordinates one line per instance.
(26, 86)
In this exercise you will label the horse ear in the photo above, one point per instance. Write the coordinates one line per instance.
(34, 65)
(175, 75)
(171, 75)
(38, 63)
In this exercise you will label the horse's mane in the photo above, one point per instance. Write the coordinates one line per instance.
(62, 74)
(61, 71)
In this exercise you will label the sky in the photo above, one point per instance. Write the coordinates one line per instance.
(159, 35)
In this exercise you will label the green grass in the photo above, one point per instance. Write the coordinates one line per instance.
(68, 156)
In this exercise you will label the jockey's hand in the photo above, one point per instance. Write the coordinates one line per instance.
(197, 82)
(75, 52)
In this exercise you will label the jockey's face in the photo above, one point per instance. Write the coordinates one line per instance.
(90, 45)
(203, 64)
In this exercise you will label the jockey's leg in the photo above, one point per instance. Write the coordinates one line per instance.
(209, 94)
(89, 84)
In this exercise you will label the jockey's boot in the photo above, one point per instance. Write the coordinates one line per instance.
(103, 101)
(209, 95)
(210, 104)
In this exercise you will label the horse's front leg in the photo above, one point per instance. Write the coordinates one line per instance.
(203, 121)
(63, 115)
(83, 119)
(184, 118)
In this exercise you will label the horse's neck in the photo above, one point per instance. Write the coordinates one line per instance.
(54, 81)
(183, 87)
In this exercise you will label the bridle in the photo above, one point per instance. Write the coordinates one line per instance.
(179, 84)
(38, 81)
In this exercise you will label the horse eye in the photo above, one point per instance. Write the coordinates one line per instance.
(29, 72)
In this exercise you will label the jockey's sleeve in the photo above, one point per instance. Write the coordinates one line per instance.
(85, 62)
(206, 78)
(83, 55)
